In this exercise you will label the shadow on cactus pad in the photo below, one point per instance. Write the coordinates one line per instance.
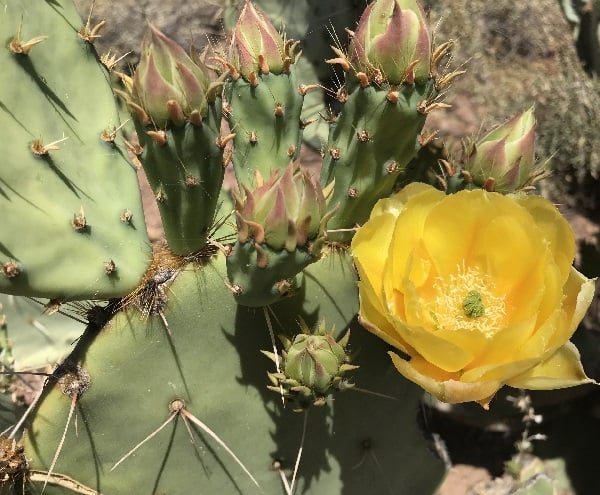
(357, 443)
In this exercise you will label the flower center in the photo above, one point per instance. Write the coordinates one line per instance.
(466, 301)
(473, 305)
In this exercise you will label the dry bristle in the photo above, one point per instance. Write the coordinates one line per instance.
(150, 295)
(334, 251)
(13, 463)
(176, 406)
(75, 381)
(10, 269)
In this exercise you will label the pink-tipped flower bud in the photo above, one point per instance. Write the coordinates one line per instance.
(167, 78)
(504, 160)
(289, 209)
(392, 42)
(256, 47)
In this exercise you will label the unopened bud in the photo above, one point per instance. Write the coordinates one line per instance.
(392, 42)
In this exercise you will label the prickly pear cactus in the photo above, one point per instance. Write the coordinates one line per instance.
(177, 114)
(263, 97)
(385, 100)
(228, 359)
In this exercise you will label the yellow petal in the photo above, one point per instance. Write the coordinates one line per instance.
(504, 346)
(442, 353)
(451, 227)
(556, 229)
(563, 369)
(499, 372)
(413, 190)
(552, 285)
(446, 390)
(539, 345)
(579, 292)
(372, 317)
(513, 256)
(396, 292)
(396, 203)
(370, 249)
(408, 232)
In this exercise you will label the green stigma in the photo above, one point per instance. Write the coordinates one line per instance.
(473, 305)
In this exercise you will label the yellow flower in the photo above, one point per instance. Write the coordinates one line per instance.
(476, 289)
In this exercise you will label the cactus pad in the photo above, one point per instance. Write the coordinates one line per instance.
(352, 445)
(62, 185)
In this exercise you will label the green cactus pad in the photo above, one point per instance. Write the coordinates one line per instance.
(264, 139)
(256, 286)
(61, 234)
(370, 144)
(353, 446)
(186, 173)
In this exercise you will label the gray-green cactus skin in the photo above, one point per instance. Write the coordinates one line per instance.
(212, 361)
(186, 173)
(370, 145)
(172, 349)
(268, 130)
(66, 184)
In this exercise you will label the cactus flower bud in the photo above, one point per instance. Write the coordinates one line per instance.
(168, 80)
(285, 211)
(392, 42)
(312, 366)
(504, 160)
(256, 47)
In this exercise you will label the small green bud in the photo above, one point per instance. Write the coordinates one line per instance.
(287, 211)
(256, 47)
(312, 366)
